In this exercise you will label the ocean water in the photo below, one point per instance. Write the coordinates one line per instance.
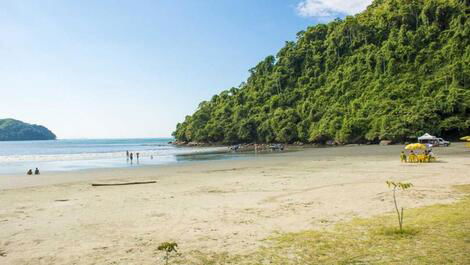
(76, 154)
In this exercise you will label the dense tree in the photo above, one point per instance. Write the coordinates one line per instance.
(398, 69)
(14, 130)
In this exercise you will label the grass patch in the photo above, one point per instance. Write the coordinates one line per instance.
(438, 234)
(406, 232)
(463, 188)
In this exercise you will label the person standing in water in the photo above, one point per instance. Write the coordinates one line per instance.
(36, 172)
(30, 172)
(131, 156)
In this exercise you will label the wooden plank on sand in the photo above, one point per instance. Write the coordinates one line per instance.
(122, 183)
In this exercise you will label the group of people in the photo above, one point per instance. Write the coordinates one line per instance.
(36, 172)
(426, 156)
(130, 156)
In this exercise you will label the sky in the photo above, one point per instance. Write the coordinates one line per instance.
(134, 69)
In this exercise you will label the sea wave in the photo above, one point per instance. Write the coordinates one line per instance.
(162, 152)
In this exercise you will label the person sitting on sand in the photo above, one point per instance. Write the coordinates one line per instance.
(30, 172)
(403, 157)
(36, 172)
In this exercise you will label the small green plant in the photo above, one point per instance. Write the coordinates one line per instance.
(398, 186)
(168, 247)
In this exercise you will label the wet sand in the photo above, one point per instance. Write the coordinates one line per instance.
(230, 205)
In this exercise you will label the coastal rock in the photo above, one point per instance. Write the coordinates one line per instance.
(385, 142)
(178, 143)
(195, 144)
(331, 143)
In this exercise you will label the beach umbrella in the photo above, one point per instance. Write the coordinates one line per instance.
(415, 146)
(410, 147)
(465, 138)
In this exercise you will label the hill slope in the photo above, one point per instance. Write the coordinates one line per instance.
(14, 130)
(399, 69)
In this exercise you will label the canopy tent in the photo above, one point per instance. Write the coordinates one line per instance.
(426, 136)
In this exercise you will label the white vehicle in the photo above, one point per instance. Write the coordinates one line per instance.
(443, 142)
(432, 141)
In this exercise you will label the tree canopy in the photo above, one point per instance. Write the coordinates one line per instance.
(399, 69)
(14, 130)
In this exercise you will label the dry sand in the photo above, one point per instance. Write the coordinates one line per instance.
(211, 206)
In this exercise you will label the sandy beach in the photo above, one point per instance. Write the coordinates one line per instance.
(230, 205)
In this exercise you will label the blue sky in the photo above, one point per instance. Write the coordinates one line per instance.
(108, 69)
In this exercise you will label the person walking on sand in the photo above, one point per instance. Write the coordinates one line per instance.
(36, 172)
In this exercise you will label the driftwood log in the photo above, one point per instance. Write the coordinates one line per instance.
(122, 183)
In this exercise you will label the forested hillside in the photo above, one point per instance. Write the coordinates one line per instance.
(14, 130)
(398, 69)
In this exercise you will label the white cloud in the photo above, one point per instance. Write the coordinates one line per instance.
(329, 8)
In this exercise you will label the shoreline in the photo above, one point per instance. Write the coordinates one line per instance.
(116, 173)
(224, 206)
(61, 164)
(20, 180)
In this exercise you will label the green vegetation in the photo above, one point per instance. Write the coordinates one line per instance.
(168, 247)
(14, 130)
(438, 234)
(399, 69)
(398, 186)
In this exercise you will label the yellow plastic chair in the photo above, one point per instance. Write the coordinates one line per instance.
(427, 158)
(421, 158)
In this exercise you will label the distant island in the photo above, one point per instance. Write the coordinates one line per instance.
(398, 69)
(15, 130)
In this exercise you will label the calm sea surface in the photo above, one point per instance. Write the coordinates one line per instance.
(64, 155)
